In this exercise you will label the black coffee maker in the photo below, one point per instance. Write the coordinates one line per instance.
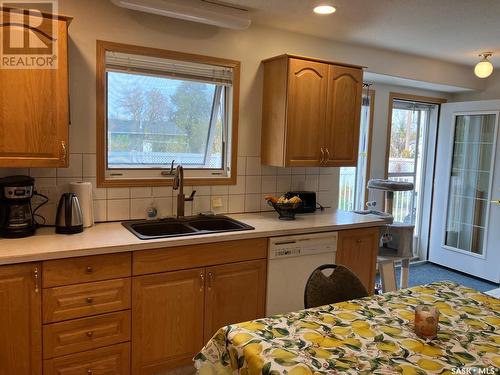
(16, 215)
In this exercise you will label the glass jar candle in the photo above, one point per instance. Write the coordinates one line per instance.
(426, 321)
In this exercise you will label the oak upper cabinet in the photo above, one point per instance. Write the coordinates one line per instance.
(234, 293)
(167, 319)
(357, 250)
(34, 103)
(310, 112)
(21, 320)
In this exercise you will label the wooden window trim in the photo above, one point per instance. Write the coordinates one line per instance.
(409, 97)
(101, 149)
(370, 141)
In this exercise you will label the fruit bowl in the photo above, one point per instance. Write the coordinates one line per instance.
(286, 211)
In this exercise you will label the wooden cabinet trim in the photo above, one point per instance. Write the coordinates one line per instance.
(192, 256)
(78, 335)
(84, 269)
(81, 300)
(113, 359)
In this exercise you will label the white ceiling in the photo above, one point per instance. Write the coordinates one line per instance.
(451, 30)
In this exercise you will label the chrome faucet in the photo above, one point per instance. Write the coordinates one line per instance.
(179, 184)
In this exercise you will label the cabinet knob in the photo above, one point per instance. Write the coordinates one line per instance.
(327, 154)
(89, 269)
(359, 240)
(322, 158)
(89, 300)
(89, 372)
(90, 334)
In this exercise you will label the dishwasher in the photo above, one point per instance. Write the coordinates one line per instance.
(291, 260)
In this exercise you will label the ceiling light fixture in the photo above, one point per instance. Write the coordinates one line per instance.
(324, 9)
(484, 68)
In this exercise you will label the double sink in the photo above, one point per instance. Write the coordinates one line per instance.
(185, 226)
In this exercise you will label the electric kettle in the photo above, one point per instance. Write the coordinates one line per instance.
(69, 215)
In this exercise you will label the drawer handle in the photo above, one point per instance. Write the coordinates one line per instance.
(90, 334)
(89, 300)
(89, 269)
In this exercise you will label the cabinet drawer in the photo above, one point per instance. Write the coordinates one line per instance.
(194, 256)
(111, 360)
(80, 300)
(83, 334)
(85, 269)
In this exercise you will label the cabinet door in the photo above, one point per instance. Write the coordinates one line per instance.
(307, 91)
(234, 293)
(167, 319)
(357, 249)
(21, 320)
(34, 110)
(345, 87)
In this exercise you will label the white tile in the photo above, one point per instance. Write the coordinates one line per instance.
(118, 209)
(326, 199)
(141, 192)
(252, 202)
(164, 206)
(201, 204)
(138, 208)
(283, 184)
(224, 208)
(89, 165)
(42, 172)
(312, 182)
(117, 193)
(264, 206)
(5, 172)
(219, 190)
(312, 170)
(48, 212)
(236, 203)
(100, 210)
(268, 170)
(162, 191)
(327, 170)
(242, 165)
(298, 170)
(97, 193)
(326, 182)
(253, 184)
(63, 184)
(200, 190)
(268, 184)
(239, 188)
(298, 182)
(284, 171)
(253, 166)
(74, 169)
(45, 182)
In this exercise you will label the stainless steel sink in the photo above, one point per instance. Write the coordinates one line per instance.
(186, 226)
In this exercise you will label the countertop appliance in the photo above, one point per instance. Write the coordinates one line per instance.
(291, 260)
(69, 215)
(16, 215)
(308, 200)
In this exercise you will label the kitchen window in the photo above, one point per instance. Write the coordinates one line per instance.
(159, 108)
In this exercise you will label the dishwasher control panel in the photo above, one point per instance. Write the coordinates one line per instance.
(301, 245)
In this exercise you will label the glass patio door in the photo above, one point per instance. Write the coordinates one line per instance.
(466, 193)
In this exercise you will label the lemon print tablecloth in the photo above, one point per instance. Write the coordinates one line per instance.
(373, 335)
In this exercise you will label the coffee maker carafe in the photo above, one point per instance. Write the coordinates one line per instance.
(16, 216)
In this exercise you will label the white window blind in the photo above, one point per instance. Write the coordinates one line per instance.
(221, 75)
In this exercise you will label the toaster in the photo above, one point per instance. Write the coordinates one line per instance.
(308, 200)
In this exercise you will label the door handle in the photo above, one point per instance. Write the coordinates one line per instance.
(496, 201)
(210, 280)
(202, 281)
(327, 154)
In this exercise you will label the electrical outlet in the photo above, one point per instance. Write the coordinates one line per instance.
(216, 202)
(49, 191)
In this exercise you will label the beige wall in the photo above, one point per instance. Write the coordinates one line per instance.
(491, 91)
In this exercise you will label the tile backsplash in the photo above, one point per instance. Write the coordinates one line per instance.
(254, 181)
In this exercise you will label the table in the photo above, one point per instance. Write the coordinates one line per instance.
(372, 335)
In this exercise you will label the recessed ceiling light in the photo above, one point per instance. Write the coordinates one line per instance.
(324, 9)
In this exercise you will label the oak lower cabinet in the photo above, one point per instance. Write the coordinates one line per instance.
(175, 312)
(357, 250)
(21, 320)
(310, 112)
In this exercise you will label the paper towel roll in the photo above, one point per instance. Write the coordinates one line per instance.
(83, 191)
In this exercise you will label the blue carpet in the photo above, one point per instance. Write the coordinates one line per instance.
(425, 273)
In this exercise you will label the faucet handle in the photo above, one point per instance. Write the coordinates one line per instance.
(191, 197)
(170, 171)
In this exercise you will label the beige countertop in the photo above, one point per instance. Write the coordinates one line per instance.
(112, 237)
